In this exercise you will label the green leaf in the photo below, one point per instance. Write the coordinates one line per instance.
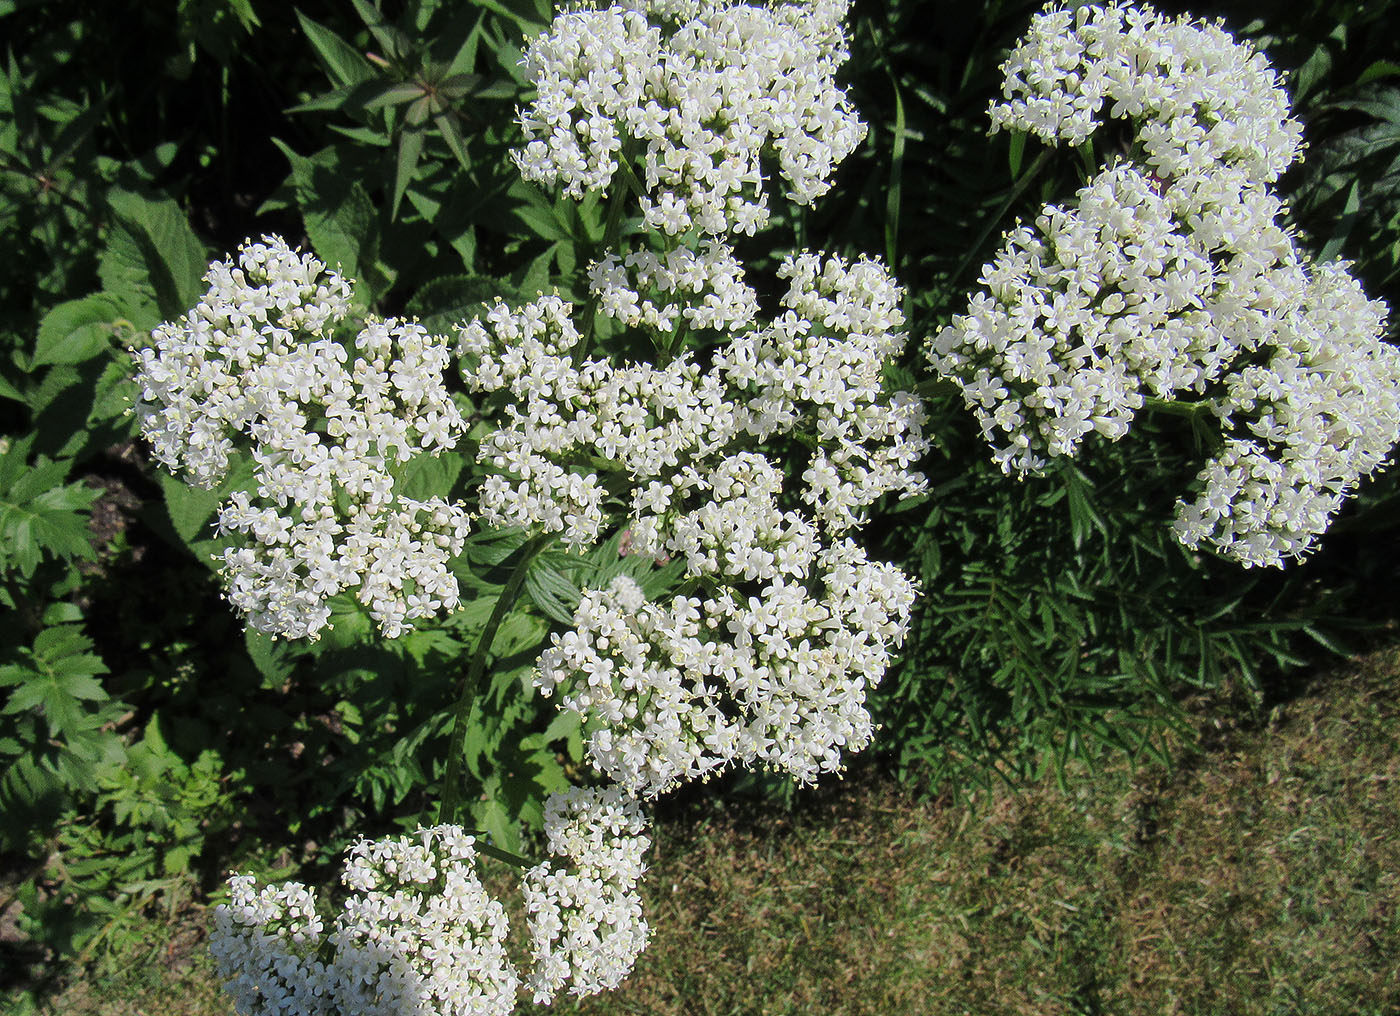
(454, 299)
(190, 508)
(345, 64)
(39, 514)
(448, 128)
(410, 148)
(396, 44)
(1378, 70)
(115, 393)
(518, 632)
(1350, 212)
(76, 331)
(395, 94)
(893, 197)
(543, 223)
(340, 220)
(152, 254)
(528, 26)
(492, 546)
(551, 590)
(1017, 152)
(271, 657)
(427, 476)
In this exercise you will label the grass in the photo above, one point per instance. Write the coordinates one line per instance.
(1259, 875)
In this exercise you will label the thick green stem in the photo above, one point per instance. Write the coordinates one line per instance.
(466, 699)
(1177, 407)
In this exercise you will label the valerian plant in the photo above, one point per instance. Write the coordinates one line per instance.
(1172, 275)
(729, 435)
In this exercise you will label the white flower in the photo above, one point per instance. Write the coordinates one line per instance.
(698, 91)
(779, 678)
(264, 944)
(419, 933)
(1321, 413)
(256, 366)
(1201, 98)
(1171, 275)
(586, 923)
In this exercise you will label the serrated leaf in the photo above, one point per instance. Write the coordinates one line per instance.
(152, 250)
(76, 331)
(272, 658)
(426, 476)
(543, 224)
(340, 220)
(456, 299)
(552, 591)
(492, 546)
(518, 632)
(190, 508)
(114, 395)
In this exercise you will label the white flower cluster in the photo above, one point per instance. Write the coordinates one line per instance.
(1170, 273)
(1132, 291)
(1320, 414)
(818, 370)
(643, 417)
(682, 288)
(700, 90)
(419, 934)
(266, 944)
(1197, 98)
(586, 922)
(257, 366)
(779, 674)
(776, 678)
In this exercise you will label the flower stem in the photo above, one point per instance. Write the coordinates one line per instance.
(612, 231)
(992, 222)
(1176, 407)
(466, 699)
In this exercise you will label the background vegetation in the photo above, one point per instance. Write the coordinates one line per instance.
(147, 745)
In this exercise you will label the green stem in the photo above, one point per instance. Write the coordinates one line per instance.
(1177, 407)
(612, 229)
(466, 699)
(502, 855)
(991, 224)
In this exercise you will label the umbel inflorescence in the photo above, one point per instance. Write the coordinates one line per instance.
(264, 368)
(418, 934)
(1170, 275)
(769, 661)
(699, 91)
